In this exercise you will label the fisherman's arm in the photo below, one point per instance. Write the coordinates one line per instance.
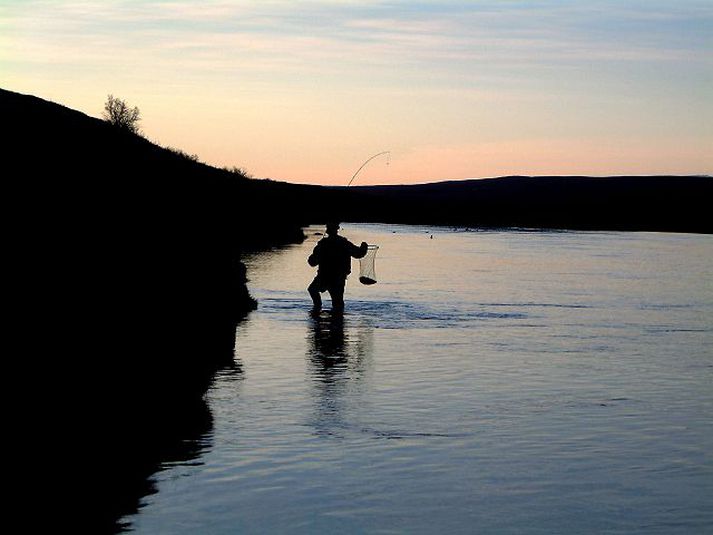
(360, 251)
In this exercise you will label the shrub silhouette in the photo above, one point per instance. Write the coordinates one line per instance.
(183, 154)
(240, 171)
(118, 113)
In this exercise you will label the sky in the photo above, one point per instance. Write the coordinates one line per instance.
(306, 91)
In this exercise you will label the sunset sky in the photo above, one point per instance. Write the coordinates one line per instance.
(306, 91)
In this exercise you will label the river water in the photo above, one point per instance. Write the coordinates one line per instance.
(490, 382)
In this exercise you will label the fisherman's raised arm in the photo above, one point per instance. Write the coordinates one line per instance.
(360, 251)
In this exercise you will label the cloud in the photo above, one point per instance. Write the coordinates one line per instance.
(443, 36)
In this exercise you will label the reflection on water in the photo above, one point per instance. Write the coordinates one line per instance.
(172, 441)
(328, 348)
(175, 441)
(491, 382)
(185, 438)
(337, 358)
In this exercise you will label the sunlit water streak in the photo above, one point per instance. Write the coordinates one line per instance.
(491, 382)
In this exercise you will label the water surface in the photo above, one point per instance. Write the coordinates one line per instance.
(491, 382)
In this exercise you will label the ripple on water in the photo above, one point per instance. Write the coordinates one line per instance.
(394, 314)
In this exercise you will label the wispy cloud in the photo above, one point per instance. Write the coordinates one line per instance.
(366, 32)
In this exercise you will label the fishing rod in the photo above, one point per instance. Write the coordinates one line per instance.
(366, 162)
(367, 274)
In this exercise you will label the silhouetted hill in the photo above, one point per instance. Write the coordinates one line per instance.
(654, 203)
(127, 280)
(129, 232)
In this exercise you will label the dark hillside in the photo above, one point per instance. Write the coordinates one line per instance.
(129, 286)
(113, 224)
(653, 203)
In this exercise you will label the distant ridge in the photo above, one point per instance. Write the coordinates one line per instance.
(640, 203)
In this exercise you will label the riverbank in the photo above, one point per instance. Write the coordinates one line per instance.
(130, 285)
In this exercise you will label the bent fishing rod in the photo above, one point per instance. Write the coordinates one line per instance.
(366, 162)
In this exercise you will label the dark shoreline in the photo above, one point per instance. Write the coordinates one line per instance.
(129, 285)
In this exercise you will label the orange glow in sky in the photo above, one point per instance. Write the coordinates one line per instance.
(306, 91)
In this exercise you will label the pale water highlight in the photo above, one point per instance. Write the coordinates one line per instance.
(491, 382)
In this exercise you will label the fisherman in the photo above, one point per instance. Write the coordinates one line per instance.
(333, 256)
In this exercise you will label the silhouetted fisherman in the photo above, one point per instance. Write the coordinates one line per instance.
(333, 254)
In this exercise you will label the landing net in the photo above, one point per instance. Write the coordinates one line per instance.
(367, 272)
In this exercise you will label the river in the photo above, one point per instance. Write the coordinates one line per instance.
(506, 381)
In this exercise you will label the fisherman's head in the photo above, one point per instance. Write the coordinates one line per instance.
(332, 228)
